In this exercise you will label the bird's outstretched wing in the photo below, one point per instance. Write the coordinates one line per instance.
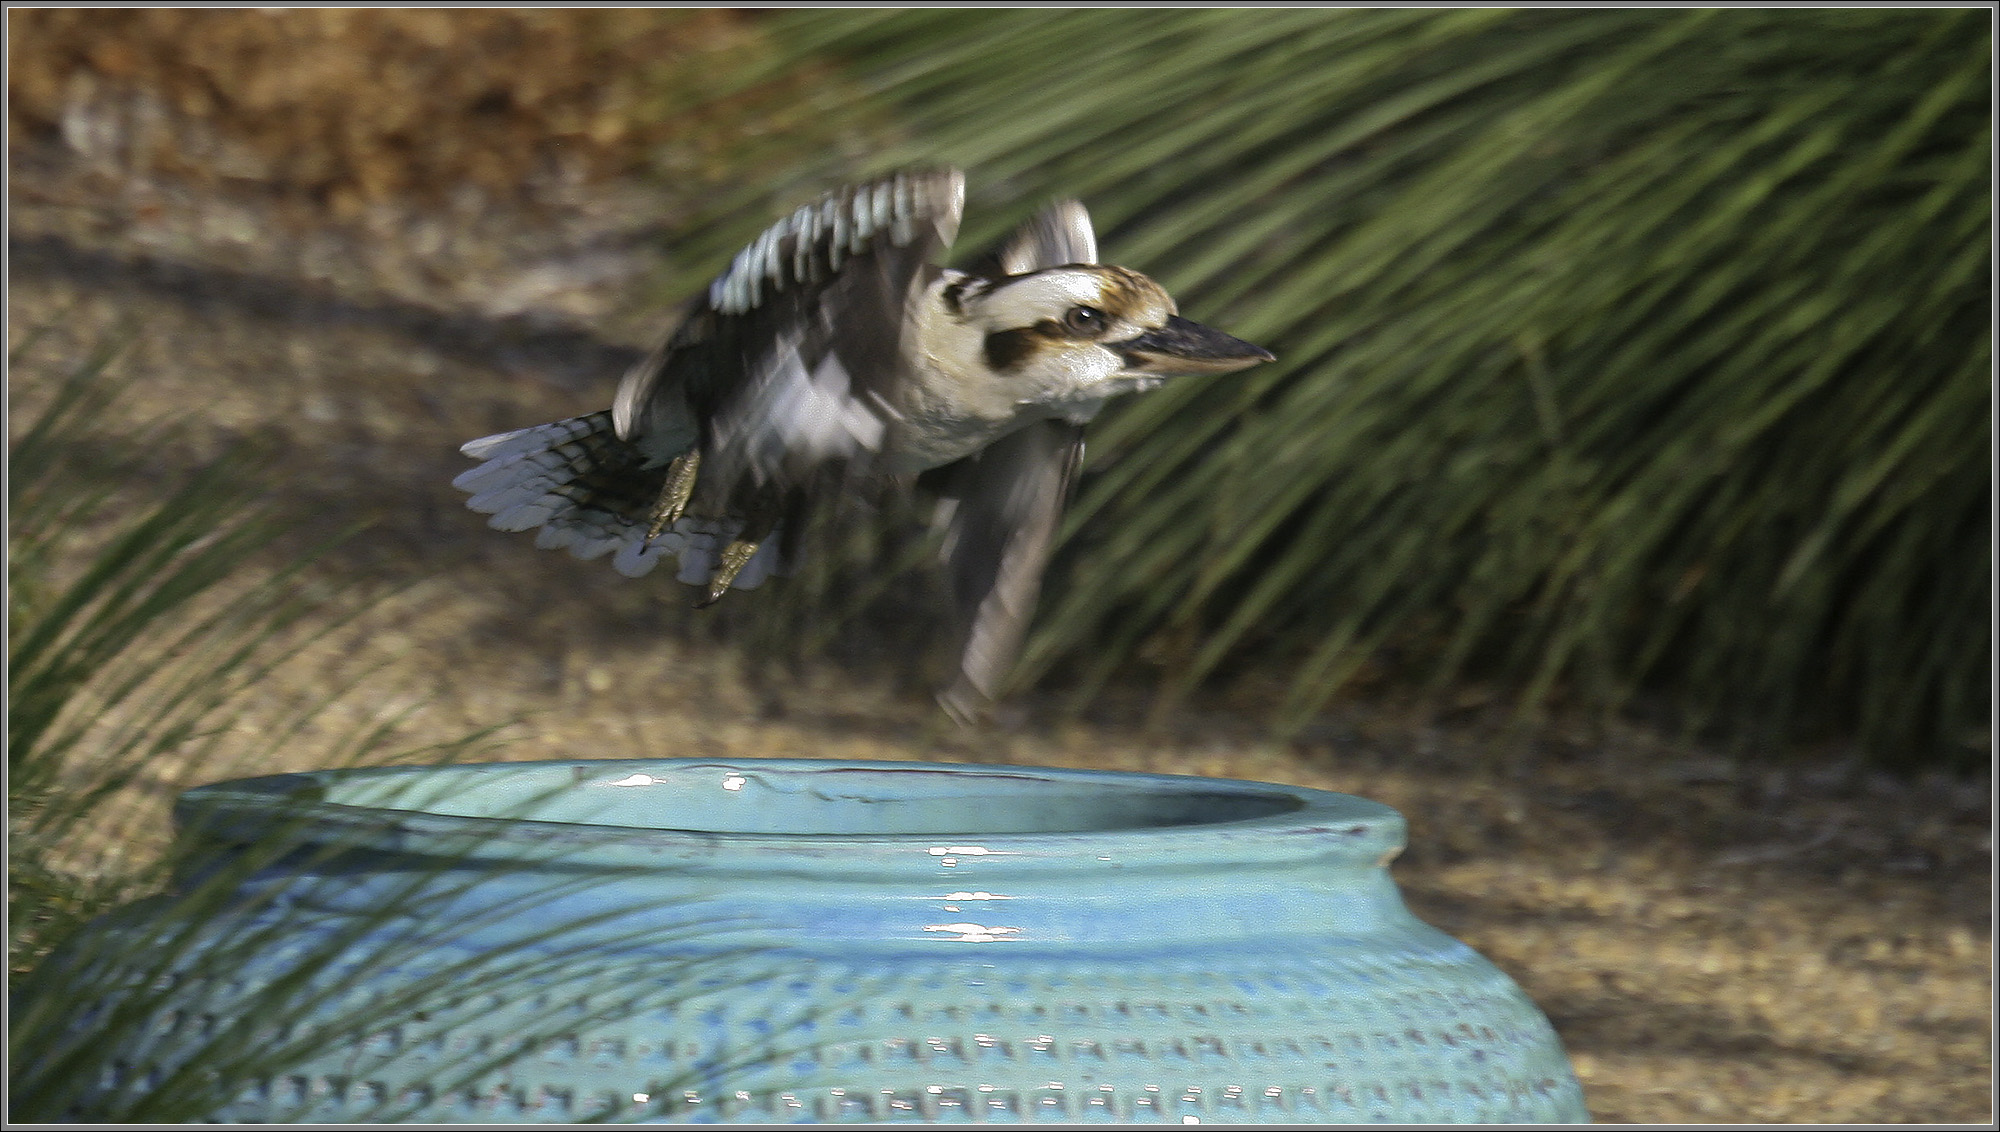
(1001, 506)
(791, 358)
(1000, 515)
(1059, 234)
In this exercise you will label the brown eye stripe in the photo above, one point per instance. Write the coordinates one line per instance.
(1006, 350)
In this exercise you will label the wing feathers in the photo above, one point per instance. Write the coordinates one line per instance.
(798, 353)
(1059, 234)
(1001, 513)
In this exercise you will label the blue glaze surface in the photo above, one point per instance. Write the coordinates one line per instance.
(791, 940)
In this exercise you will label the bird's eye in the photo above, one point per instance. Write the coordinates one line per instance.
(1084, 320)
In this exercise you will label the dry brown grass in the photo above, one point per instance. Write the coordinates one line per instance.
(1716, 941)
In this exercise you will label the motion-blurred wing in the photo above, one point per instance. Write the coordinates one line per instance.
(1000, 515)
(792, 359)
(1059, 234)
(1002, 506)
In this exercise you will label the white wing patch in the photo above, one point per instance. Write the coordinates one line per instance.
(799, 416)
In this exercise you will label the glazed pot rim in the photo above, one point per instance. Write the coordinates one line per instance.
(757, 811)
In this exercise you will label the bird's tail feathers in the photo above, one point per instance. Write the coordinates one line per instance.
(591, 493)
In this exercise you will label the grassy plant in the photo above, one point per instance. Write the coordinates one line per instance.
(243, 993)
(1621, 351)
(141, 630)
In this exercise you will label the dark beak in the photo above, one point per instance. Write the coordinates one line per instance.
(1182, 349)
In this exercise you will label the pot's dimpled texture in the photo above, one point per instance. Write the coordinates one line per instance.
(1310, 1040)
(1218, 952)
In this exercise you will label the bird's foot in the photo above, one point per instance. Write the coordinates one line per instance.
(735, 556)
(675, 493)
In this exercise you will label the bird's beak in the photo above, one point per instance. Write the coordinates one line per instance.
(1183, 348)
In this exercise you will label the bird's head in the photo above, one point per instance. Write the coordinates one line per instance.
(1066, 338)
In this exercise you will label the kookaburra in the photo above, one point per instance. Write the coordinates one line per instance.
(833, 356)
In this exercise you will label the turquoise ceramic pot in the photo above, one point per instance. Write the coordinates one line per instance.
(752, 940)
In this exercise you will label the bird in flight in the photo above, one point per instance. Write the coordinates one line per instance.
(834, 357)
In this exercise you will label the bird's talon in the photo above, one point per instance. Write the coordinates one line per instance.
(735, 556)
(674, 494)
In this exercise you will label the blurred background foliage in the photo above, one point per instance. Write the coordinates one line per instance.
(1629, 358)
(144, 634)
(1624, 354)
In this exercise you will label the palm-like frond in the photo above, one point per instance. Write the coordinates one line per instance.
(1619, 349)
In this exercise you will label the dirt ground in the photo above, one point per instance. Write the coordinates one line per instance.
(1800, 940)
